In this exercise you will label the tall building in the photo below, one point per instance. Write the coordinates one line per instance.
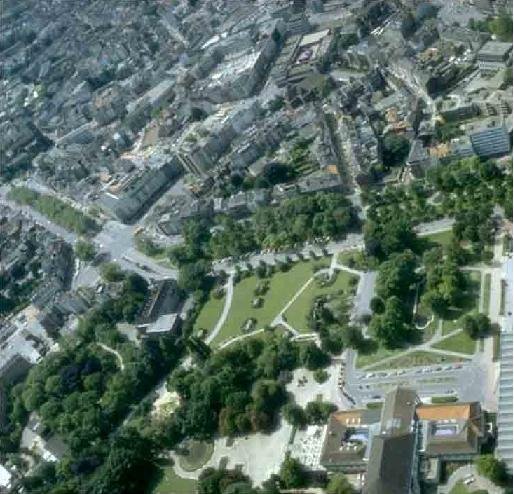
(504, 422)
(393, 462)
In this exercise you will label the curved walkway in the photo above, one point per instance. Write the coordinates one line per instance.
(115, 353)
(226, 308)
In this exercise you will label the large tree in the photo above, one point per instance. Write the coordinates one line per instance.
(397, 275)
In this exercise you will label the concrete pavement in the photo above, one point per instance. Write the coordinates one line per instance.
(469, 472)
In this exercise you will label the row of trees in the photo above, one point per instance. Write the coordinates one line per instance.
(445, 283)
(296, 220)
(315, 413)
(292, 475)
(55, 209)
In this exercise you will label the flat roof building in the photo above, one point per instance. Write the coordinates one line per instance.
(494, 56)
(490, 137)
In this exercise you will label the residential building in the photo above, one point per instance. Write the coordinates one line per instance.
(164, 298)
(418, 159)
(129, 196)
(164, 325)
(494, 56)
(457, 148)
(457, 108)
(200, 146)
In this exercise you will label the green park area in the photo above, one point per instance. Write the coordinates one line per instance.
(298, 313)
(168, 482)
(210, 313)
(487, 293)
(355, 259)
(415, 359)
(282, 286)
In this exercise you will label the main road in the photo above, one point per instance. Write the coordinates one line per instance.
(115, 239)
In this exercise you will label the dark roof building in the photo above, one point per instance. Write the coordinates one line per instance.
(391, 464)
(392, 467)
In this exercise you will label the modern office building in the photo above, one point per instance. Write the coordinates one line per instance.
(490, 137)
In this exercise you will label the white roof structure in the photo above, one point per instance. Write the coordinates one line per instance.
(5, 477)
(505, 435)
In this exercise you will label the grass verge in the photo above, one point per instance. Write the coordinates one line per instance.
(415, 359)
(459, 342)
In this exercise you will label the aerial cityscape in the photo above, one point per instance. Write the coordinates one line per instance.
(256, 247)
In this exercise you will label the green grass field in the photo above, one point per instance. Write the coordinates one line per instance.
(282, 287)
(441, 238)
(459, 342)
(171, 483)
(199, 453)
(210, 313)
(364, 359)
(297, 315)
(415, 359)
(487, 293)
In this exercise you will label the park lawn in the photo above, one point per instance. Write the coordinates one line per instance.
(210, 313)
(470, 304)
(171, 483)
(459, 342)
(282, 287)
(487, 293)
(298, 314)
(441, 238)
(199, 453)
(417, 358)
